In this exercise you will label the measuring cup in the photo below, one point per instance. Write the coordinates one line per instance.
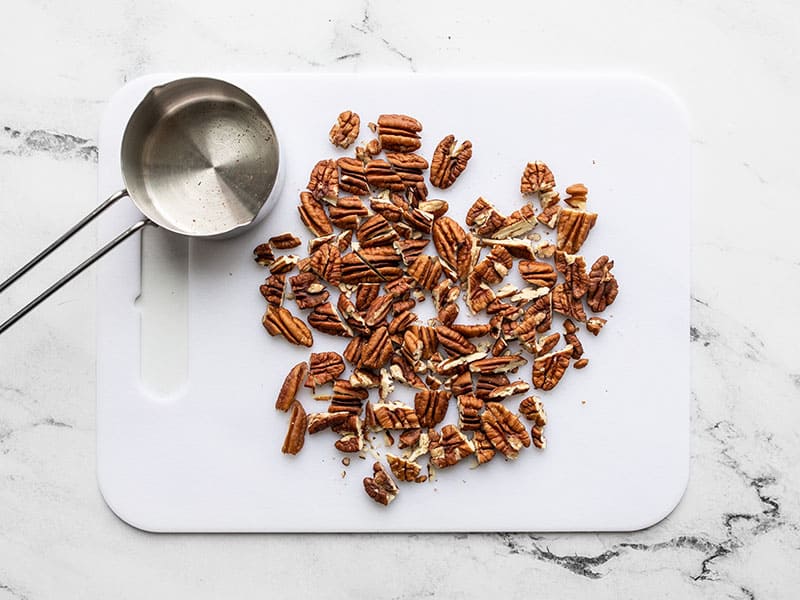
(199, 157)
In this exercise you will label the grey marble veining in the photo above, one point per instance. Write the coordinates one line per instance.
(736, 534)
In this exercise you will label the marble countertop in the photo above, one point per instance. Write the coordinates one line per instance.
(736, 534)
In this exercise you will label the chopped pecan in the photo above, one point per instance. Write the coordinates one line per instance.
(455, 343)
(472, 331)
(581, 363)
(366, 151)
(352, 176)
(595, 324)
(320, 421)
(550, 368)
(461, 384)
(437, 208)
(349, 442)
(459, 364)
(403, 371)
(381, 176)
(345, 131)
(272, 289)
(549, 216)
(325, 319)
(511, 389)
(283, 264)
(296, 433)
(484, 451)
(449, 447)
(483, 218)
(385, 390)
(263, 255)
(376, 231)
(308, 291)
(352, 317)
(447, 314)
(380, 487)
(536, 178)
(498, 364)
(285, 240)
(448, 237)
(576, 197)
(347, 211)
(395, 415)
(573, 228)
(486, 383)
(495, 266)
(411, 347)
(401, 322)
(518, 248)
(408, 438)
(537, 273)
(404, 470)
(571, 338)
(378, 310)
(573, 267)
(603, 286)
(408, 166)
(384, 261)
(428, 337)
(469, 409)
(324, 367)
(291, 384)
(387, 209)
(361, 378)
(499, 347)
(449, 161)
(565, 302)
(356, 270)
(445, 293)
(517, 223)
(542, 311)
(546, 343)
(347, 398)
(544, 249)
(352, 352)
(313, 215)
(324, 180)
(431, 406)
(479, 295)
(504, 430)
(377, 349)
(399, 288)
(419, 220)
(399, 133)
(279, 321)
(365, 294)
(533, 410)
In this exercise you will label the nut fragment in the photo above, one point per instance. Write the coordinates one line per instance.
(505, 391)
(285, 240)
(573, 229)
(452, 341)
(565, 302)
(296, 433)
(537, 273)
(426, 271)
(576, 196)
(352, 176)
(550, 368)
(546, 343)
(449, 161)
(449, 447)
(324, 367)
(380, 175)
(517, 223)
(461, 384)
(486, 383)
(380, 487)
(595, 324)
(324, 180)
(603, 286)
(283, 264)
(279, 321)
(313, 215)
(431, 406)
(483, 218)
(325, 319)
(350, 442)
(263, 255)
(291, 384)
(346, 129)
(378, 310)
(308, 291)
(272, 289)
(580, 364)
(399, 133)
(377, 349)
(347, 398)
(536, 178)
(533, 410)
(573, 267)
(404, 470)
(549, 216)
(504, 430)
(469, 409)
(327, 420)
(347, 212)
(484, 451)
(376, 231)
(498, 364)
(395, 415)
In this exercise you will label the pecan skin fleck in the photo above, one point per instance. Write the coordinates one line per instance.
(291, 384)
(296, 433)
(346, 129)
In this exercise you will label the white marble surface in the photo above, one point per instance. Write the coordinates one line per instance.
(737, 532)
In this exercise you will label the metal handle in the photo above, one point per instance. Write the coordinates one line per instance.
(77, 270)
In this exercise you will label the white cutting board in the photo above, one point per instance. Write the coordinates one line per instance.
(206, 456)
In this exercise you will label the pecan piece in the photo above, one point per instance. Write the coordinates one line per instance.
(431, 406)
(395, 415)
(536, 178)
(580, 364)
(327, 420)
(408, 166)
(378, 310)
(279, 321)
(484, 451)
(428, 337)
(399, 133)
(537, 273)
(272, 289)
(365, 151)
(426, 271)
(323, 368)
(352, 176)
(365, 294)
(479, 295)
(350, 442)
(376, 231)
(346, 129)
(449, 447)
(517, 223)
(324, 318)
(573, 229)
(461, 384)
(549, 216)
(498, 364)
(352, 352)
(472, 331)
(565, 302)
(283, 264)
(511, 389)
(603, 286)
(448, 237)
(523, 248)
(404, 470)
(401, 322)
(469, 409)
(437, 208)
(550, 368)
(384, 261)
(455, 343)
(361, 378)
(296, 433)
(483, 218)
(380, 487)
(326, 262)
(488, 382)
(571, 338)
(533, 410)
(595, 324)
(576, 197)
(573, 267)
(308, 291)
(347, 212)
(377, 349)
(285, 241)
(504, 429)
(324, 180)
(263, 255)
(387, 209)
(449, 161)
(347, 398)
(546, 343)
(352, 317)
(313, 215)
(418, 220)
(380, 175)
(356, 270)
(291, 384)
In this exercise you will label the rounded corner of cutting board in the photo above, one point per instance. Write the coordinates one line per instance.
(117, 504)
(657, 512)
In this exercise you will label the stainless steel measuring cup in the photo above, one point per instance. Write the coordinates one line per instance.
(199, 157)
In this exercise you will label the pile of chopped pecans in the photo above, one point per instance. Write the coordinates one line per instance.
(373, 223)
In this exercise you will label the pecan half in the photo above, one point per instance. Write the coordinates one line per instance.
(347, 212)
(448, 237)
(313, 215)
(449, 447)
(484, 451)
(576, 197)
(296, 433)
(357, 270)
(426, 271)
(352, 176)
(449, 161)
(365, 294)
(279, 321)
(498, 364)
(455, 343)
(272, 289)
(285, 240)
(536, 178)
(603, 286)
(408, 166)
(399, 133)
(431, 406)
(486, 383)
(395, 415)
(376, 350)
(327, 420)
(565, 302)
(483, 218)
(595, 324)
(263, 255)
(325, 319)
(573, 267)
(384, 262)
(380, 487)
(346, 129)
(573, 229)
(504, 430)
(550, 368)
(324, 180)
(469, 409)
(404, 470)
(537, 273)
(347, 398)
(324, 367)
(291, 384)
(380, 175)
